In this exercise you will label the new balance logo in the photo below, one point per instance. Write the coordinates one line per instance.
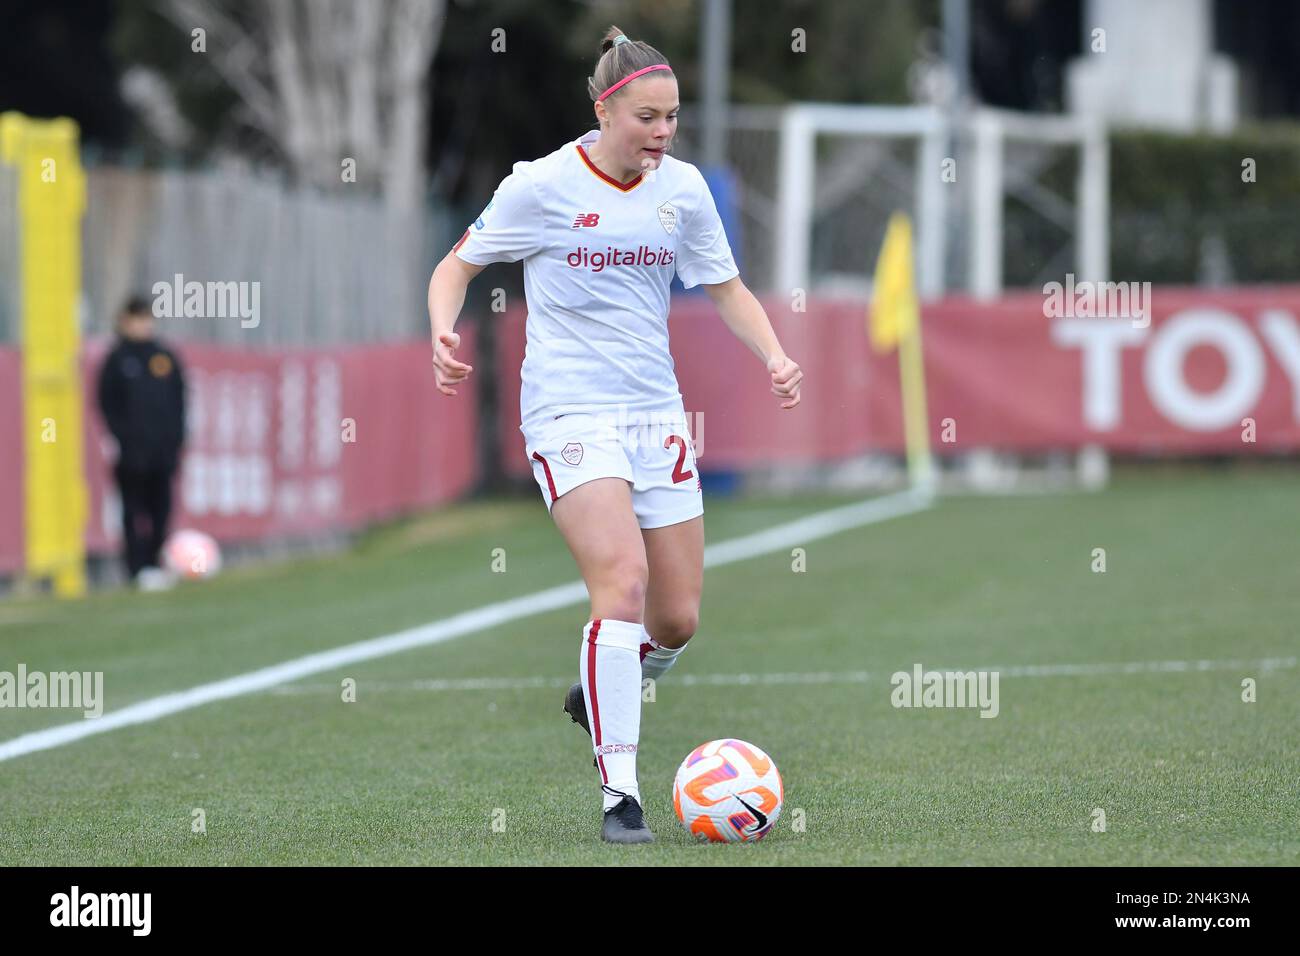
(586, 219)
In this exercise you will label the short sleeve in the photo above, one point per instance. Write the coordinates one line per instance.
(510, 226)
(703, 253)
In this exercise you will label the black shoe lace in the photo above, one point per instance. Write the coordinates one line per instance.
(631, 814)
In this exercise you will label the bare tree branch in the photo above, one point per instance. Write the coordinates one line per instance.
(324, 79)
(230, 57)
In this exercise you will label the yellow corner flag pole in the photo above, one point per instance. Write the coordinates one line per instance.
(894, 321)
(43, 157)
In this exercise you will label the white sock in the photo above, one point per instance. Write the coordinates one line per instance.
(655, 658)
(611, 682)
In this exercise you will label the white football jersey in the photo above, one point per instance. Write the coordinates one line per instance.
(599, 256)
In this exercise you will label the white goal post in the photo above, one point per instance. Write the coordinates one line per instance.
(977, 143)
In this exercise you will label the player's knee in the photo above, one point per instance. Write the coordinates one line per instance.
(675, 629)
(623, 592)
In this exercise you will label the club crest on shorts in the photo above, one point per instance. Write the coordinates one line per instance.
(668, 217)
(572, 452)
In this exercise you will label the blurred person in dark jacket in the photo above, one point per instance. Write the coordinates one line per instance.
(142, 397)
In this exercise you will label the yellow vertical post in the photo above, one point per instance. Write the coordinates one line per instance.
(51, 200)
(895, 322)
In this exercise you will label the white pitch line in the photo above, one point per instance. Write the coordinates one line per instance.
(1138, 667)
(815, 526)
(1261, 665)
(543, 683)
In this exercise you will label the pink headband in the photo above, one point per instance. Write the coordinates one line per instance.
(632, 76)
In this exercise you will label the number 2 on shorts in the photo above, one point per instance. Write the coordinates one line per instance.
(678, 474)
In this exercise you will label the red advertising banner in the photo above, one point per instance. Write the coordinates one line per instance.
(1200, 372)
(278, 442)
(1207, 372)
(1204, 372)
(11, 461)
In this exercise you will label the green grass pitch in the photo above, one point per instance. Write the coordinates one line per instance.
(1199, 567)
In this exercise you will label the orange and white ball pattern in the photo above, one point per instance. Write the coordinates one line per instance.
(728, 791)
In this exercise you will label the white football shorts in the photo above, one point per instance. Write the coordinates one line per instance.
(653, 453)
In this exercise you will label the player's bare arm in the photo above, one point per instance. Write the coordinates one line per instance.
(747, 320)
(446, 297)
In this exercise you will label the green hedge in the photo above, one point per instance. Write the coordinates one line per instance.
(1170, 193)
(1173, 197)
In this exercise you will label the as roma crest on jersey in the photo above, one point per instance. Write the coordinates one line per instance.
(572, 452)
(668, 217)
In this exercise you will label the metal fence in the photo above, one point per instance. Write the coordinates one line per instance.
(866, 162)
(752, 151)
(9, 265)
(276, 265)
(339, 267)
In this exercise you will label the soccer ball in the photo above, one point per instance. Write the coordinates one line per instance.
(728, 791)
(192, 554)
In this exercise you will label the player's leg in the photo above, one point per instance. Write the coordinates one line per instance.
(675, 558)
(598, 525)
(601, 531)
(669, 506)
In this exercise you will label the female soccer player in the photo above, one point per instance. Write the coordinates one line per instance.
(602, 224)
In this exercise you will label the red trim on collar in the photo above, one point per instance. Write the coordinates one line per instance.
(624, 187)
